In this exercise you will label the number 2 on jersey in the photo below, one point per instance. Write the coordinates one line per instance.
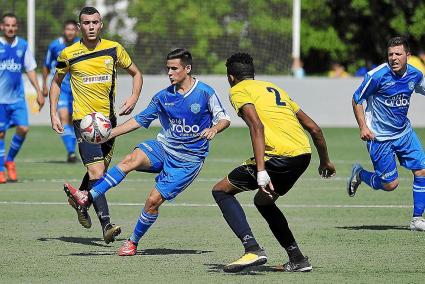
(277, 94)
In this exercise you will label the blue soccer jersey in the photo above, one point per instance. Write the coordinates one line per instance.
(15, 58)
(183, 118)
(388, 98)
(50, 61)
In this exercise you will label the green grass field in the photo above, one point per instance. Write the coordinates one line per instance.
(358, 240)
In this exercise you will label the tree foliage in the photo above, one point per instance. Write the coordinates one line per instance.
(352, 32)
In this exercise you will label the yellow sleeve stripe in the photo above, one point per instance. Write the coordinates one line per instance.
(110, 51)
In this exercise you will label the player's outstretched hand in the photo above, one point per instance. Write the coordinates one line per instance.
(366, 134)
(128, 106)
(56, 124)
(327, 170)
(209, 133)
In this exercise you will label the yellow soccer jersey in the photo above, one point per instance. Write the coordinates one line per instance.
(93, 75)
(284, 135)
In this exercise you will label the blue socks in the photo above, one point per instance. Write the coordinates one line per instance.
(235, 217)
(15, 146)
(371, 179)
(418, 196)
(68, 138)
(113, 177)
(143, 224)
(2, 151)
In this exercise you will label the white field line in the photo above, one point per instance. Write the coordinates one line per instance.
(212, 160)
(214, 179)
(171, 204)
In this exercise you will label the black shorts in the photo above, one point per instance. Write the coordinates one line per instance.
(283, 172)
(94, 153)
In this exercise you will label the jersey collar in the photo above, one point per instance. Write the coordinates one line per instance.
(190, 91)
(4, 41)
(396, 75)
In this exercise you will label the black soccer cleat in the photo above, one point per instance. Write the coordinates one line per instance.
(110, 232)
(72, 158)
(302, 265)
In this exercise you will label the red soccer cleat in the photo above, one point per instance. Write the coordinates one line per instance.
(80, 198)
(2, 177)
(11, 171)
(128, 249)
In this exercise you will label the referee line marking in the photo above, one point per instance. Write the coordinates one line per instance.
(215, 205)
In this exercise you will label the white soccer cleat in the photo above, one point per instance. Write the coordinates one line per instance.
(417, 224)
(354, 181)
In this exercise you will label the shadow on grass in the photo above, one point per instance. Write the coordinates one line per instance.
(253, 270)
(375, 227)
(157, 251)
(78, 240)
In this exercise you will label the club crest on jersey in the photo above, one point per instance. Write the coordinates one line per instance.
(19, 52)
(195, 108)
(411, 85)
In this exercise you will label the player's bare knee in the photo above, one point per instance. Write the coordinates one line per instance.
(391, 185)
(22, 130)
(223, 186)
(2, 135)
(419, 173)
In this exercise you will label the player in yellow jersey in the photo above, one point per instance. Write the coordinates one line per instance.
(92, 64)
(281, 154)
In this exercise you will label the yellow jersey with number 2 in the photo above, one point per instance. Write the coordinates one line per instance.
(284, 135)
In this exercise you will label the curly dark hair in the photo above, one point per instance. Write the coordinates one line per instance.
(241, 66)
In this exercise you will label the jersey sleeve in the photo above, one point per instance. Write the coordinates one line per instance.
(123, 59)
(29, 61)
(368, 88)
(295, 107)
(62, 66)
(240, 98)
(420, 87)
(217, 110)
(149, 114)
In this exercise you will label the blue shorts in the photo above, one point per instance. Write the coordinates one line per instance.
(65, 100)
(407, 149)
(13, 115)
(174, 175)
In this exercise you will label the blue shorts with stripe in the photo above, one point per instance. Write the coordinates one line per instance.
(174, 175)
(15, 114)
(407, 149)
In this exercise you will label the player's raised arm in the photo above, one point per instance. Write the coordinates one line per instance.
(54, 98)
(326, 168)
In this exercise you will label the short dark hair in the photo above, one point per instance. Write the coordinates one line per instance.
(88, 11)
(70, 22)
(182, 54)
(240, 65)
(8, 15)
(397, 41)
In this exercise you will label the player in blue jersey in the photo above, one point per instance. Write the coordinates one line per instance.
(70, 32)
(191, 114)
(15, 58)
(387, 130)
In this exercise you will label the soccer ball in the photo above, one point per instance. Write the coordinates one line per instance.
(95, 128)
